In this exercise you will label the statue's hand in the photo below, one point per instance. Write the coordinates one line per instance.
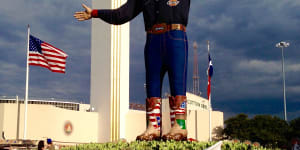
(84, 15)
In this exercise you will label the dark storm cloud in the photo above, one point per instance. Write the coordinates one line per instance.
(234, 21)
(245, 32)
(254, 107)
(247, 63)
(52, 22)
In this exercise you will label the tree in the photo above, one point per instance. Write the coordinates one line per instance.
(295, 128)
(269, 131)
(237, 127)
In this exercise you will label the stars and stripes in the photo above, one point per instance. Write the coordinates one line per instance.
(209, 74)
(154, 116)
(45, 55)
(180, 111)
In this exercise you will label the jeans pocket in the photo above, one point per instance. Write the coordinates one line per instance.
(177, 35)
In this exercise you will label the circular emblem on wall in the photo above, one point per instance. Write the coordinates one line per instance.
(68, 128)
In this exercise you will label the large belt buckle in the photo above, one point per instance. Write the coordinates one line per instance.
(159, 28)
(175, 27)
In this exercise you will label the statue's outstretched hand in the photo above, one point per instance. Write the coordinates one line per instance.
(84, 15)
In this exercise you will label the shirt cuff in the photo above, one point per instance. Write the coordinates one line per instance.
(94, 13)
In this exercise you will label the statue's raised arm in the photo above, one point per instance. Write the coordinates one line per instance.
(117, 16)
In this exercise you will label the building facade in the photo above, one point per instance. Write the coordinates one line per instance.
(78, 123)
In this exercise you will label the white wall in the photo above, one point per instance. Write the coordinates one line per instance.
(48, 121)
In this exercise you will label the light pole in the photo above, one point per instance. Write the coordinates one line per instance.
(283, 45)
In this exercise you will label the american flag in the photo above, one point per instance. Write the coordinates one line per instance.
(47, 56)
(209, 74)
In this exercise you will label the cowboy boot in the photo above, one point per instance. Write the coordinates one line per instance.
(178, 130)
(153, 116)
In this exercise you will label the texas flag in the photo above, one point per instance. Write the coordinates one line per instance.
(209, 74)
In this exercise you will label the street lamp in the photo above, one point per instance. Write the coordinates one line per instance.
(283, 45)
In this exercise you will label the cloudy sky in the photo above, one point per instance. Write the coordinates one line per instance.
(243, 33)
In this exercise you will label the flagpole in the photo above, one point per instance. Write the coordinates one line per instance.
(209, 103)
(26, 87)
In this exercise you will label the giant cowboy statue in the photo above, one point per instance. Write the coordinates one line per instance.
(166, 50)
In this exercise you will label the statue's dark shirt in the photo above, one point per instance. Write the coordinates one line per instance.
(154, 11)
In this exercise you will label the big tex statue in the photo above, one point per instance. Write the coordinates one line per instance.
(166, 50)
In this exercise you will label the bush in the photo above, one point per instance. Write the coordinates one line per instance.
(246, 145)
(269, 131)
(160, 145)
(143, 145)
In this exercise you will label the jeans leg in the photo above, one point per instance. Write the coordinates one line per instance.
(153, 65)
(177, 50)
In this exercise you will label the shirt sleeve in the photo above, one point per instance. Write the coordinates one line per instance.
(120, 15)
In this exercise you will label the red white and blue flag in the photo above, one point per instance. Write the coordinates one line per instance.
(45, 55)
(209, 74)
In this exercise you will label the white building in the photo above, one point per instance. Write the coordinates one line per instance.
(196, 102)
(52, 119)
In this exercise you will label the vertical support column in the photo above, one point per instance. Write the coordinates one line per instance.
(110, 74)
(18, 117)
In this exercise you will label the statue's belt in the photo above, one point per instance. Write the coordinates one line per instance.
(163, 27)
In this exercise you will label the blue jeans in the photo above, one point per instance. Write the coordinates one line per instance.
(166, 52)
